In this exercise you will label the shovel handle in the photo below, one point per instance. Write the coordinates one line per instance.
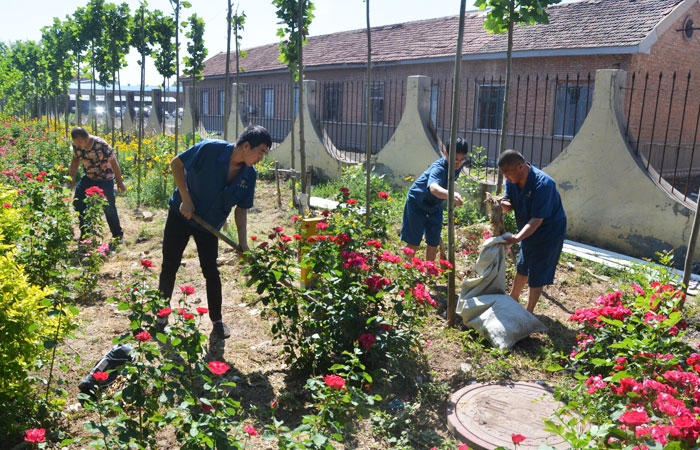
(215, 232)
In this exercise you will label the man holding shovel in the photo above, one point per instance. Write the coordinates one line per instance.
(211, 178)
(541, 220)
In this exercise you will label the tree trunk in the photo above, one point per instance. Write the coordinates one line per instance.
(177, 71)
(121, 111)
(139, 153)
(504, 123)
(291, 132)
(238, 83)
(93, 90)
(227, 92)
(112, 113)
(451, 285)
(302, 152)
(78, 112)
(368, 137)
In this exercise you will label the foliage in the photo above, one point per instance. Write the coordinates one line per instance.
(637, 381)
(288, 32)
(524, 12)
(362, 294)
(194, 63)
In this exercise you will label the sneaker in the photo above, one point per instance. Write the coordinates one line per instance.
(221, 330)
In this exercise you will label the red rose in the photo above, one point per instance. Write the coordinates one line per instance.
(188, 316)
(143, 336)
(35, 435)
(295, 218)
(253, 238)
(218, 368)
(165, 312)
(278, 229)
(517, 438)
(322, 225)
(187, 290)
(201, 310)
(147, 264)
(250, 430)
(351, 201)
(99, 375)
(634, 418)
(383, 195)
(335, 381)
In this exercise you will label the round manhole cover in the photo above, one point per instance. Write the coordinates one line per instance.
(485, 416)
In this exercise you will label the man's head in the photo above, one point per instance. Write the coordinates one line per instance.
(462, 150)
(80, 137)
(513, 166)
(255, 142)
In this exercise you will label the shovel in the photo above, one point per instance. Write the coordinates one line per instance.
(237, 247)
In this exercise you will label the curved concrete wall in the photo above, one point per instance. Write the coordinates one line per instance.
(412, 148)
(325, 164)
(235, 125)
(609, 198)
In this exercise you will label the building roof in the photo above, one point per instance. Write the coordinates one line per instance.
(581, 27)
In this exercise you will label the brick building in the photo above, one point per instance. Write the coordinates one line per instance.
(552, 86)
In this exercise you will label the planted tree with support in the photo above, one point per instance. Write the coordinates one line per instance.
(236, 22)
(78, 45)
(163, 35)
(56, 42)
(451, 282)
(194, 63)
(501, 18)
(177, 9)
(295, 17)
(142, 27)
(368, 136)
(27, 57)
(91, 24)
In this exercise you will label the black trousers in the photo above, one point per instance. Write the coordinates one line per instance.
(175, 238)
(110, 208)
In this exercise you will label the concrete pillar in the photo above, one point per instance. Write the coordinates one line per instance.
(187, 122)
(155, 121)
(235, 122)
(324, 158)
(92, 114)
(610, 199)
(412, 148)
(128, 115)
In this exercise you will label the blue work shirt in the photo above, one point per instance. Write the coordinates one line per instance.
(538, 198)
(420, 190)
(206, 169)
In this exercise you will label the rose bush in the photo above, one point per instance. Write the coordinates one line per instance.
(361, 294)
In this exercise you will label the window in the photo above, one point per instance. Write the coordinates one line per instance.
(222, 102)
(573, 104)
(268, 97)
(204, 103)
(434, 93)
(489, 107)
(376, 99)
(333, 102)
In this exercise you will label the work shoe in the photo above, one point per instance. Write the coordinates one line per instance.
(221, 330)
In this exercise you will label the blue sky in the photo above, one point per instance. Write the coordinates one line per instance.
(24, 19)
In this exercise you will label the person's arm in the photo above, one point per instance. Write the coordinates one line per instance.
(240, 217)
(506, 205)
(529, 228)
(440, 192)
(73, 170)
(117, 174)
(187, 206)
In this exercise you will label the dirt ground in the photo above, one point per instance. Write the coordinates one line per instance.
(259, 370)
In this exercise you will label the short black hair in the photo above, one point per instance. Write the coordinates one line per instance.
(255, 135)
(79, 132)
(462, 146)
(510, 158)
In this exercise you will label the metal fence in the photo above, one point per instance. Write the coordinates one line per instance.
(544, 113)
(663, 115)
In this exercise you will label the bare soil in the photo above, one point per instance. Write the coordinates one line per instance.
(259, 370)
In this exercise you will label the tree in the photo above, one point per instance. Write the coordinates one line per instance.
(177, 7)
(451, 282)
(504, 14)
(78, 45)
(295, 17)
(114, 45)
(163, 35)
(368, 137)
(56, 40)
(28, 58)
(194, 63)
(236, 22)
(91, 27)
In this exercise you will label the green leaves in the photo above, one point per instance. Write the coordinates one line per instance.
(523, 12)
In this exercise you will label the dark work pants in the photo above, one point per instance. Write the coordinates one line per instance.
(175, 238)
(110, 208)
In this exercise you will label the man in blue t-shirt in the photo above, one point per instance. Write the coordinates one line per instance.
(539, 213)
(422, 213)
(211, 178)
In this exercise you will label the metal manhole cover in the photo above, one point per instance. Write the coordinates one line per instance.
(485, 416)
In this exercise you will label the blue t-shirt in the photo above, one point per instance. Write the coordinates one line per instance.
(420, 190)
(538, 198)
(206, 169)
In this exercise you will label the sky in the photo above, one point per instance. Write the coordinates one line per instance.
(23, 20)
